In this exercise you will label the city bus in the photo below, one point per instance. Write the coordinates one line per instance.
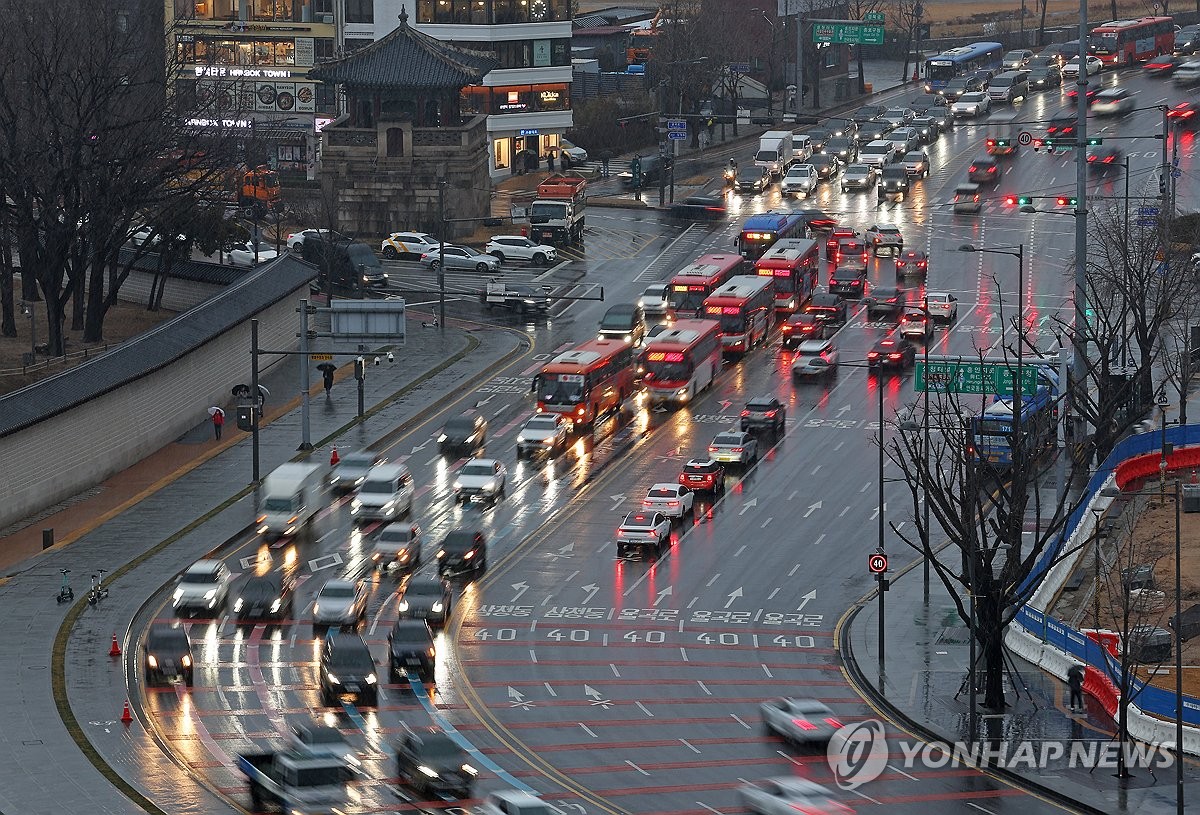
(587, 382)
(1123, 42)
(681, 361)
(992, 431)
(760, 232)
(698, 280)
(745, 307)
(792, 263)
(967, 59)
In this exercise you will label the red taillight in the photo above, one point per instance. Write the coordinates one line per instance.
(832, 722)
(893, 356)
(785, 328)
(745, 413)
(972, 169)
(873, 355)
(991, 169)
(770, 414)
(804, 724)
(736, 450)
(1109, 159)
(1091, 159)
(672, 503)
(712, 449)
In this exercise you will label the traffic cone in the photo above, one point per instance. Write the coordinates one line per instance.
(126, 716)
(916, 76)
(115, 650)
(333, 458)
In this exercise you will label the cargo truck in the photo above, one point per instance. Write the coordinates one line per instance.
(296, 781)
(556, 215)
(774, 152)
(292, 495)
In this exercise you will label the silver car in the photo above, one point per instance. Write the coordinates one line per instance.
(734, 447)
(461, 257)
(859, 177)
(203, 586)
(480, 479)
(340, 602)
(351, 470)
(656, 300)
(800, 721)
(789, 795)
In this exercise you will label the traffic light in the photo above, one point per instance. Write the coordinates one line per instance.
(1093, 141)
(1010, 200)
(1024, 200)
(1067, 201)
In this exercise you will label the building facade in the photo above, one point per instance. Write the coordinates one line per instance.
(527, 99)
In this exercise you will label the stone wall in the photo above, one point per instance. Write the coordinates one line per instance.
(387, 178)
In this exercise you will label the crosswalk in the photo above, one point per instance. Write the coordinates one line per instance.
(615, 166)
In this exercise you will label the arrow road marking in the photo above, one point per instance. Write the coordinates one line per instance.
(483, 402)
(844, 409)
(563, 552)
(617, 500)
(812, 508)
(518, 699)
(812, 595)
(420, 447)
(725, 403)
(597, 697)
(519, 588)
(733, 595)
(753, 502)
(661, 595)
(591, 589)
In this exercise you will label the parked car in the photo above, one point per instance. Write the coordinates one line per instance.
(518, 247)
(405, 245)
(461, 257)
(244, 254)
(295, 240)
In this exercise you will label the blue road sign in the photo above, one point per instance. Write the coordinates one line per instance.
(740, 67)
(1147, 211)
(1146, 222)
(676, 124)
(676, 135)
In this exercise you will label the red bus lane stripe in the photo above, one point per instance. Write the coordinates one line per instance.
(257, 681)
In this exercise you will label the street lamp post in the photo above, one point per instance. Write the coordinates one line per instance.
(883, 582)
(771, 65)
(1179, 809)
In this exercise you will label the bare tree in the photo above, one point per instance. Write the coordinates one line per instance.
(905, 16)
(858, 9)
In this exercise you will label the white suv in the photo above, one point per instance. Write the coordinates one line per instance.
(801, 179)
(518, 247)
(877, 153)
(942, 306)
(407, 245)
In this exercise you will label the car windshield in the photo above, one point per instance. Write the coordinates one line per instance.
(662, 493)
(459, 542)
(727, 438)
(424, 588)
(404, 634)
(541, 423)
(547, 209)
(198, 578)
(440, 747)
(377, 486)
(277, 504)
(338, 591)
(617, 321)
(361, 255)
(169, 640)
(750, 173)
(478, 469)
(321, 735)
(356, 461)
(971, 97)
(460, 426)
(345, 657)
(395, 534)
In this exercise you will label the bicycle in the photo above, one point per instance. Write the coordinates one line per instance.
(98, 591)
(65, 593)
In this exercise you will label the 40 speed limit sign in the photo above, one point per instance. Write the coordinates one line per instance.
(877, 563)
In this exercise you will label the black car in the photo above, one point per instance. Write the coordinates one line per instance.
(873, 131)
(927, 128)
(942, 117)
(1047, 77)
(264, 597)
(764, 413)
(752, 179)
(465, 433)
(868, 113)
(801, 326)
(432, 763)
(959, 85)
(984, 170)
(347, 669)
(410, 649)
(699, 208)
(1103, 159)
(523, 298)
(625, 322)
(463, 551)
(885, 301)
(818, 138)
(827, 167)
(840, 129)
(168, 656)
(890, 352)
(848, 281)
(829, 308)
(343, 263)
(429, 599)
(845, 148)
(926, 101)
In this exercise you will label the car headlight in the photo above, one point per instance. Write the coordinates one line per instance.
(356, 505)
(275, 605)
(520, 438)
(437, 607)
(152, 661)
(388, 506)
(628, 338)
(403, 605)
(441, 438)
(372, 679)
(333, 680)
(469, 770)
(429, 771)
(469, 555)
(210, 594)
(441, 553)
(457, 486)
(186, 661)
(316, 609)
(237, 606)
(178, 593)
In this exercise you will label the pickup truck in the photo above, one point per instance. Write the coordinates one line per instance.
(296, 780)
(518, 297)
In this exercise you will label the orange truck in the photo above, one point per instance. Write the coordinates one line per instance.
(254, 190)
(556, 214)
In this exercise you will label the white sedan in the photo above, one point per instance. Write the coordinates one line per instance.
(481, 479)
(518, 247)
(146, 234)
(971, 104)
(1071, 69)
(295, 240)
(800, 720)
(242, 254)
(672, 500)
(643, 534)
(571, 154)
(789, 795)
(1113, 102)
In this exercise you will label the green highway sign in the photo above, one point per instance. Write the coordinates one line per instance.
(961, 376)
(873, 17)
(847, 33)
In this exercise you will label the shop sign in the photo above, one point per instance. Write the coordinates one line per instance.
(244, 73)
(514, 102)
(306, 52)
(549, 97)
(320, 123)
(227, 124)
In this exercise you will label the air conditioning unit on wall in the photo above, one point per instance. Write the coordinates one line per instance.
(326, 18)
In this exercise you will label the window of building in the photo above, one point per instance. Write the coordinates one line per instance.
(355, 43)
(322, 48)
(551, 97)
(475, 100)
(502, 149)
(360, 11)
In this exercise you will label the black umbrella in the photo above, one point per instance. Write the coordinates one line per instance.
(327, 368)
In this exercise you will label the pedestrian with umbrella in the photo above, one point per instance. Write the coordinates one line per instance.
(327, 369)
(218, 420)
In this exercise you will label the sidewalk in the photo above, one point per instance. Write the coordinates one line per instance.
(62, 748)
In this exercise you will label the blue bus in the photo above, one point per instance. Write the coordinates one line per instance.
(992, 432)
(760, 232)
(967, 59)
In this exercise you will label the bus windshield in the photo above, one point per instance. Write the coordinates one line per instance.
(561, 389)
(784, 281)
(1105, 43)
(733, 323)
(690, 299)
(943, 70)
(668, 371)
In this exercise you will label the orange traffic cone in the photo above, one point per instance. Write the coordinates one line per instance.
(333, 458)
(126, 716)
(115, 650)
(916, 76)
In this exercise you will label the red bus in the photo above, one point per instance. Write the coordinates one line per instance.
(585, 383)
(1124, 42)
(745, 306)
(681, 361)
(699, 279)
(793, 263)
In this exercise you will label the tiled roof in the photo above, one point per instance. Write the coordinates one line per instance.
(406, 58)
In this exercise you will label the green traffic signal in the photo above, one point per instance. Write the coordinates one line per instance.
(1093, 141)
(1068, 201)
(1024, 200)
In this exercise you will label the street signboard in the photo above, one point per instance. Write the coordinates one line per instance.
(973, 377)
(677, 135)
(1024, 138)
(847, 33)
(877, 562)
(676, 124)
(1147, 211)
(739, 67)
(321, 357)
(1146, 221)
(873, 17)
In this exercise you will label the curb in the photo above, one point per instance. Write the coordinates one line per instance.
(864, 688)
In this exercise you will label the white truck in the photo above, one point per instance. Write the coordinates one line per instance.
(291, 496)
(556, 216)
(774, 152)
(296, 780)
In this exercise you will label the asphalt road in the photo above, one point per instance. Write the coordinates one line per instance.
(623, 687)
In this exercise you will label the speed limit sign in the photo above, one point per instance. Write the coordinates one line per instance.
(877, 563)
(1024, 138)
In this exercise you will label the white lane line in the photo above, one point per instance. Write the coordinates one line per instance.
(616, 673)
(683, 653)
(644, 709)
(715, 578)
(532, 655)
(690, 746)
(865, 487)
(771, 596)
(551, 271)
(636, 767)
(981, 809)
(741, 549)
(820, 538)
(739, 721)
(694, 601)
(587, 730)
(767, 521)
(767, 671)
(710, 809)
(898, 770)
(549, 689)
(869, 798)
(795, 569)
(704, 687)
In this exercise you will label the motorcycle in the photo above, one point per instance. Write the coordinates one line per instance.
(730, 176)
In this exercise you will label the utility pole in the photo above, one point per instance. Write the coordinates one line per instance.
(305, 438)
(1079, 338)
(442, 256)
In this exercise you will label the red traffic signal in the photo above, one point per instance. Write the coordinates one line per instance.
(1010, 200)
